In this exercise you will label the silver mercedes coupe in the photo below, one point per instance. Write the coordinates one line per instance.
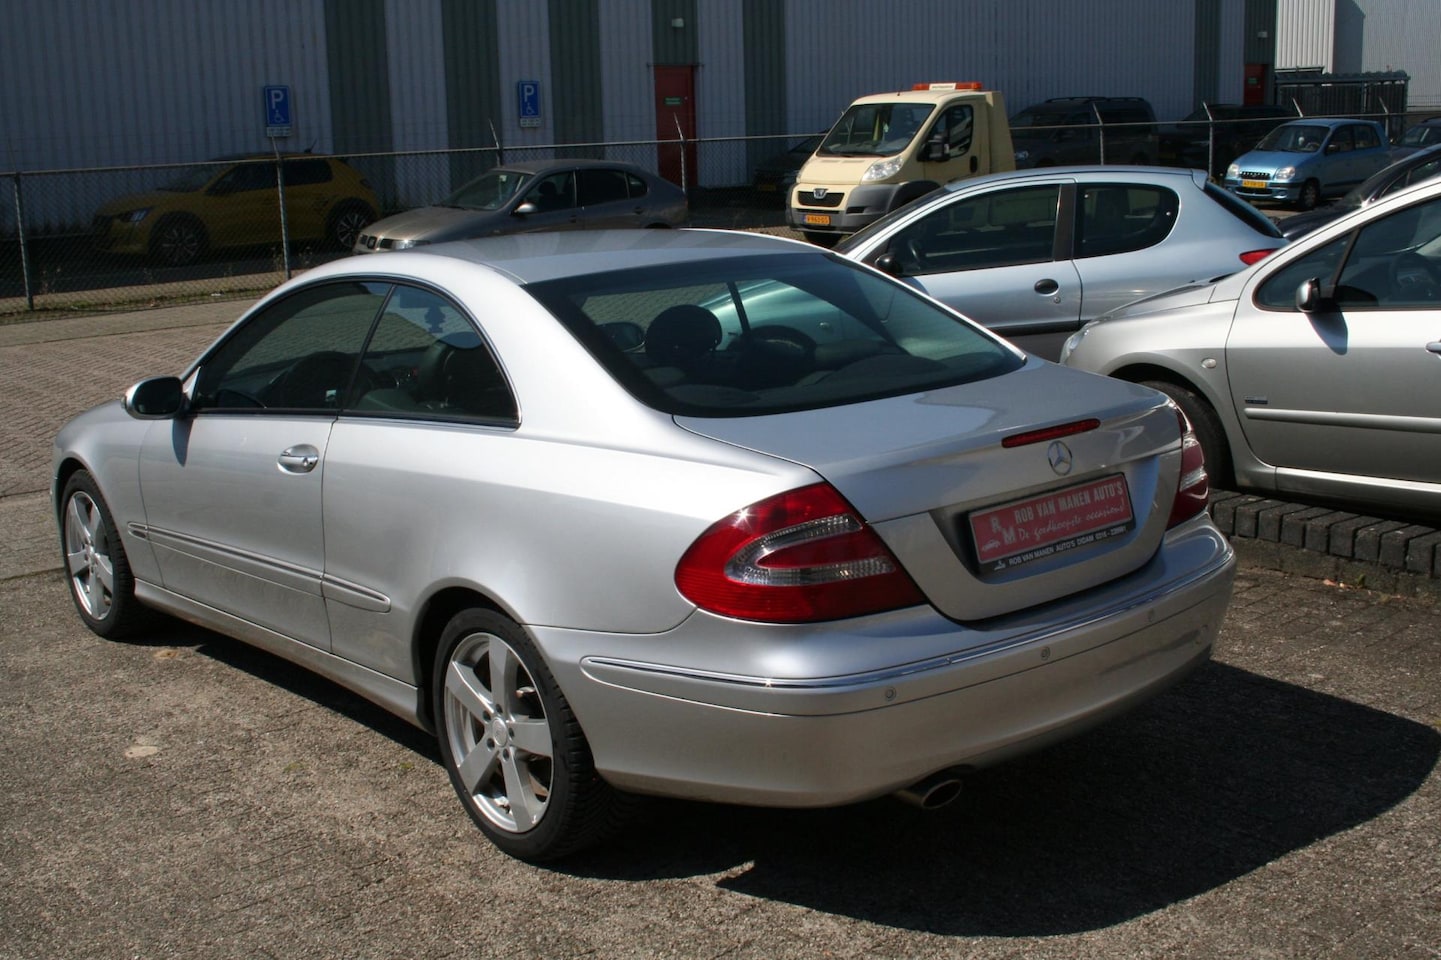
(693, 514)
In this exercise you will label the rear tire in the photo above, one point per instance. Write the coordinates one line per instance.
(96, 567)
(513, 748)
(346, 223)
(1207, 427)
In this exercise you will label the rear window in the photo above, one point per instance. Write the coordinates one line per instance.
(759, 335)
(1242, 211)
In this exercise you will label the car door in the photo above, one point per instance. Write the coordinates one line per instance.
(243, 206)
(1114, 221)
(232, 490)
(992, 255)
(1350, 388)
(553, 197)
(605, 200)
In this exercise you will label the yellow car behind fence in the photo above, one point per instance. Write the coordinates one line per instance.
(233, 203)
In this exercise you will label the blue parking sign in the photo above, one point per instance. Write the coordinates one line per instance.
(277, 110)
(527, 97)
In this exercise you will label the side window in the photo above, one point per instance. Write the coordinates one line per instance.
(247, 176)
(954, 128)
(1365, 138)
(1424, 172)
(1395, 262)
(638, 187)
(601, 186)
(299, 173)
(1278, 292)
(297, 355)
(1340, 141)
(1119, 217)
(425, 359)
(997, 229)
(555, 192)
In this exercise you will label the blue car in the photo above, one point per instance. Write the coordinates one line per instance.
(1304, 160)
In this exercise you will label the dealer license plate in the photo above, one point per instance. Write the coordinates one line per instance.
(1254, 184)
(1024, 531)
(818, 219)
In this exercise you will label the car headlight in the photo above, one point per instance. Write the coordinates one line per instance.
(882, 170)
(1074, 341)
(1233, 172)
(1285, 173)
(133, 216)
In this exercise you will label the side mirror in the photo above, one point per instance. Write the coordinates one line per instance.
(525, 209)
(888, 263)
(157, 398)
(933, 152)
(1310, 297)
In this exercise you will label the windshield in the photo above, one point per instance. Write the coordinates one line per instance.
(490, 191)
(1421, 136)
(875, 129)
(746, 336)
(1294, 138)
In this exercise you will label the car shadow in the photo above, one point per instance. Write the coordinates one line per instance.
(1216, 778)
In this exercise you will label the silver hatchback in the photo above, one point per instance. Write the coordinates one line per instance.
(1312, 373)
(1035, 254)
(612, 516)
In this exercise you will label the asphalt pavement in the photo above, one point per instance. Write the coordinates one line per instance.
(188, 796)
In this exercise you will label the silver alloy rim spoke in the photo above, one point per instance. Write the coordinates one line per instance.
(502, 753)
(92, 576)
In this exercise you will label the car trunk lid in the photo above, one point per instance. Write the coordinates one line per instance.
(996, 495)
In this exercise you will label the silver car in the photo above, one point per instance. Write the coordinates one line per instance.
(541, 195)
(1312, 373)
(535, 494)
(1035, 254)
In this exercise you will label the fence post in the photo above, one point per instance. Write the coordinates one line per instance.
(284, 224)
(680, 134)
(1210, 139)
(1101, 131)
(24, 248)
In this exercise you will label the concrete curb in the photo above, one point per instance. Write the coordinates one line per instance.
(1390, 556)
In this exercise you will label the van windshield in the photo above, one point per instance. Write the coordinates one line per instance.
(875, 129)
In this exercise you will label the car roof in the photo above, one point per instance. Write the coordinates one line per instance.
(1326, 122)
(537, 257)
(1086, 173)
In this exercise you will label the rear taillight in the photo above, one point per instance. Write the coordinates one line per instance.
(1255, 256)
(799, 557)
(1193, 490)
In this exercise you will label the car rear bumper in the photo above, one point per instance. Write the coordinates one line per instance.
(989, 691)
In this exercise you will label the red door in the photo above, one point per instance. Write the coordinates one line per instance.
(1255, 84)
(674, 119)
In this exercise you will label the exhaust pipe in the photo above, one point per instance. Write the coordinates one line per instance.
(934, 791)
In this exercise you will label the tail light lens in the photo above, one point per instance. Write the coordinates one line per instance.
(1193, 490)
(1255, 256)
(803, 556)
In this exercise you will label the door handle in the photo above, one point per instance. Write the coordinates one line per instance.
(299, 459)
(1047, 287)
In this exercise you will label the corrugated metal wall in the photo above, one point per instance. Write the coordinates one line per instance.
(1028, 49)
(1402, 35)
(1305, 34)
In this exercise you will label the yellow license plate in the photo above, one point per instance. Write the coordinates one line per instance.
(818, 219)
(1254, 184)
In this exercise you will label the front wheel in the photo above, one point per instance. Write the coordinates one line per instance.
(1207, 426)
(514, 751)
(96, 567)
(1310, 195)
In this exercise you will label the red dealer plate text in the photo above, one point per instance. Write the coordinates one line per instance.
(1027, 530)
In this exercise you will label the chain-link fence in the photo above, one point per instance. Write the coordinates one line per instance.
(122, 238)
